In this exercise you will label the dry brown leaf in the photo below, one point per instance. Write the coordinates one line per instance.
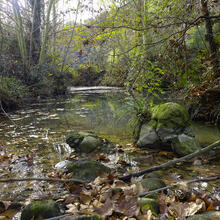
(128, 207)
(106, 209)
(72, 208)
(106, 193)
(71, 199)
(119, 184)
(186, 209)
(85, 199)
(97, 203)
(147, 216)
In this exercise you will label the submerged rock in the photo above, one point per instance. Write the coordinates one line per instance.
(206, 216)
(169, 128)
(152, 183)
(87, 169)
(86, 142)
(184, 144)
(40, 210)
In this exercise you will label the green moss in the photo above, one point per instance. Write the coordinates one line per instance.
(152, 183)
(149, 203)
(87, 169)
(170, 115)
(74, 140)
(44, 209)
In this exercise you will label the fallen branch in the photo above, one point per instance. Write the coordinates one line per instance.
(42, 179)
(170, 163)
(176, 184)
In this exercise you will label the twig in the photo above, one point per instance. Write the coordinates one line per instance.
(170, 163)
(42, 179)
(173, 186)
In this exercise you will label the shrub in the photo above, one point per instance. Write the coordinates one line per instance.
(12, 91)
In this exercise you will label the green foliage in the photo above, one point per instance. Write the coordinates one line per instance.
(12, 91)
(46, 80)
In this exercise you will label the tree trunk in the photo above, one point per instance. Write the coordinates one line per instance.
(20, 32)
(43, 51)
(35, 44)
(210, 39)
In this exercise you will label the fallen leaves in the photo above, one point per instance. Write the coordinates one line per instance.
(117, 199)
(9, 209)
(173, 206)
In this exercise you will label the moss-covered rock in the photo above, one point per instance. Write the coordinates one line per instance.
(169, 129)
(40, 209)
(206, 216)
(74, 140)
(149, 203)
(86, 142)
(184, 144)
(170, 114)
(87, 169)
(152, 183)
(83, 217)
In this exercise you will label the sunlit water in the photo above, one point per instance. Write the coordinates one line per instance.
(34, 138)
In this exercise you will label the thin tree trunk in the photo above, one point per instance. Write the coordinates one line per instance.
(20, 32)
(46, 33)
(66, 50)
(2, 37)
(35, 44)
(54, 26)
(210, 38)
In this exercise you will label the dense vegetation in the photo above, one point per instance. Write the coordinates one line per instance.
(147, 46)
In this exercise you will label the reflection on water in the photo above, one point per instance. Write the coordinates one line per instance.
(206, 134)
(39, 132)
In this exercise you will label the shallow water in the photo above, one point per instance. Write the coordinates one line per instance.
(34, 138)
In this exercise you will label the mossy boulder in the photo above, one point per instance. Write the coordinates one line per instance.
(149, 203)
(152, 183)
(206, 216)
(83, 217)
(171, 114)
(169, 129)
(87, 142)
(40, 210)
(184, 144)
(87, 169)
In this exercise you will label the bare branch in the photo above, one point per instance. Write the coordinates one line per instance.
(41, 179)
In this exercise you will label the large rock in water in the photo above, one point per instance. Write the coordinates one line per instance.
(86, 142)
(87, 169)
(169, 128)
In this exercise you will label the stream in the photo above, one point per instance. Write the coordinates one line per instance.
(32, 141)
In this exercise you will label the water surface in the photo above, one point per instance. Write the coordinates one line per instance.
(34, 137)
